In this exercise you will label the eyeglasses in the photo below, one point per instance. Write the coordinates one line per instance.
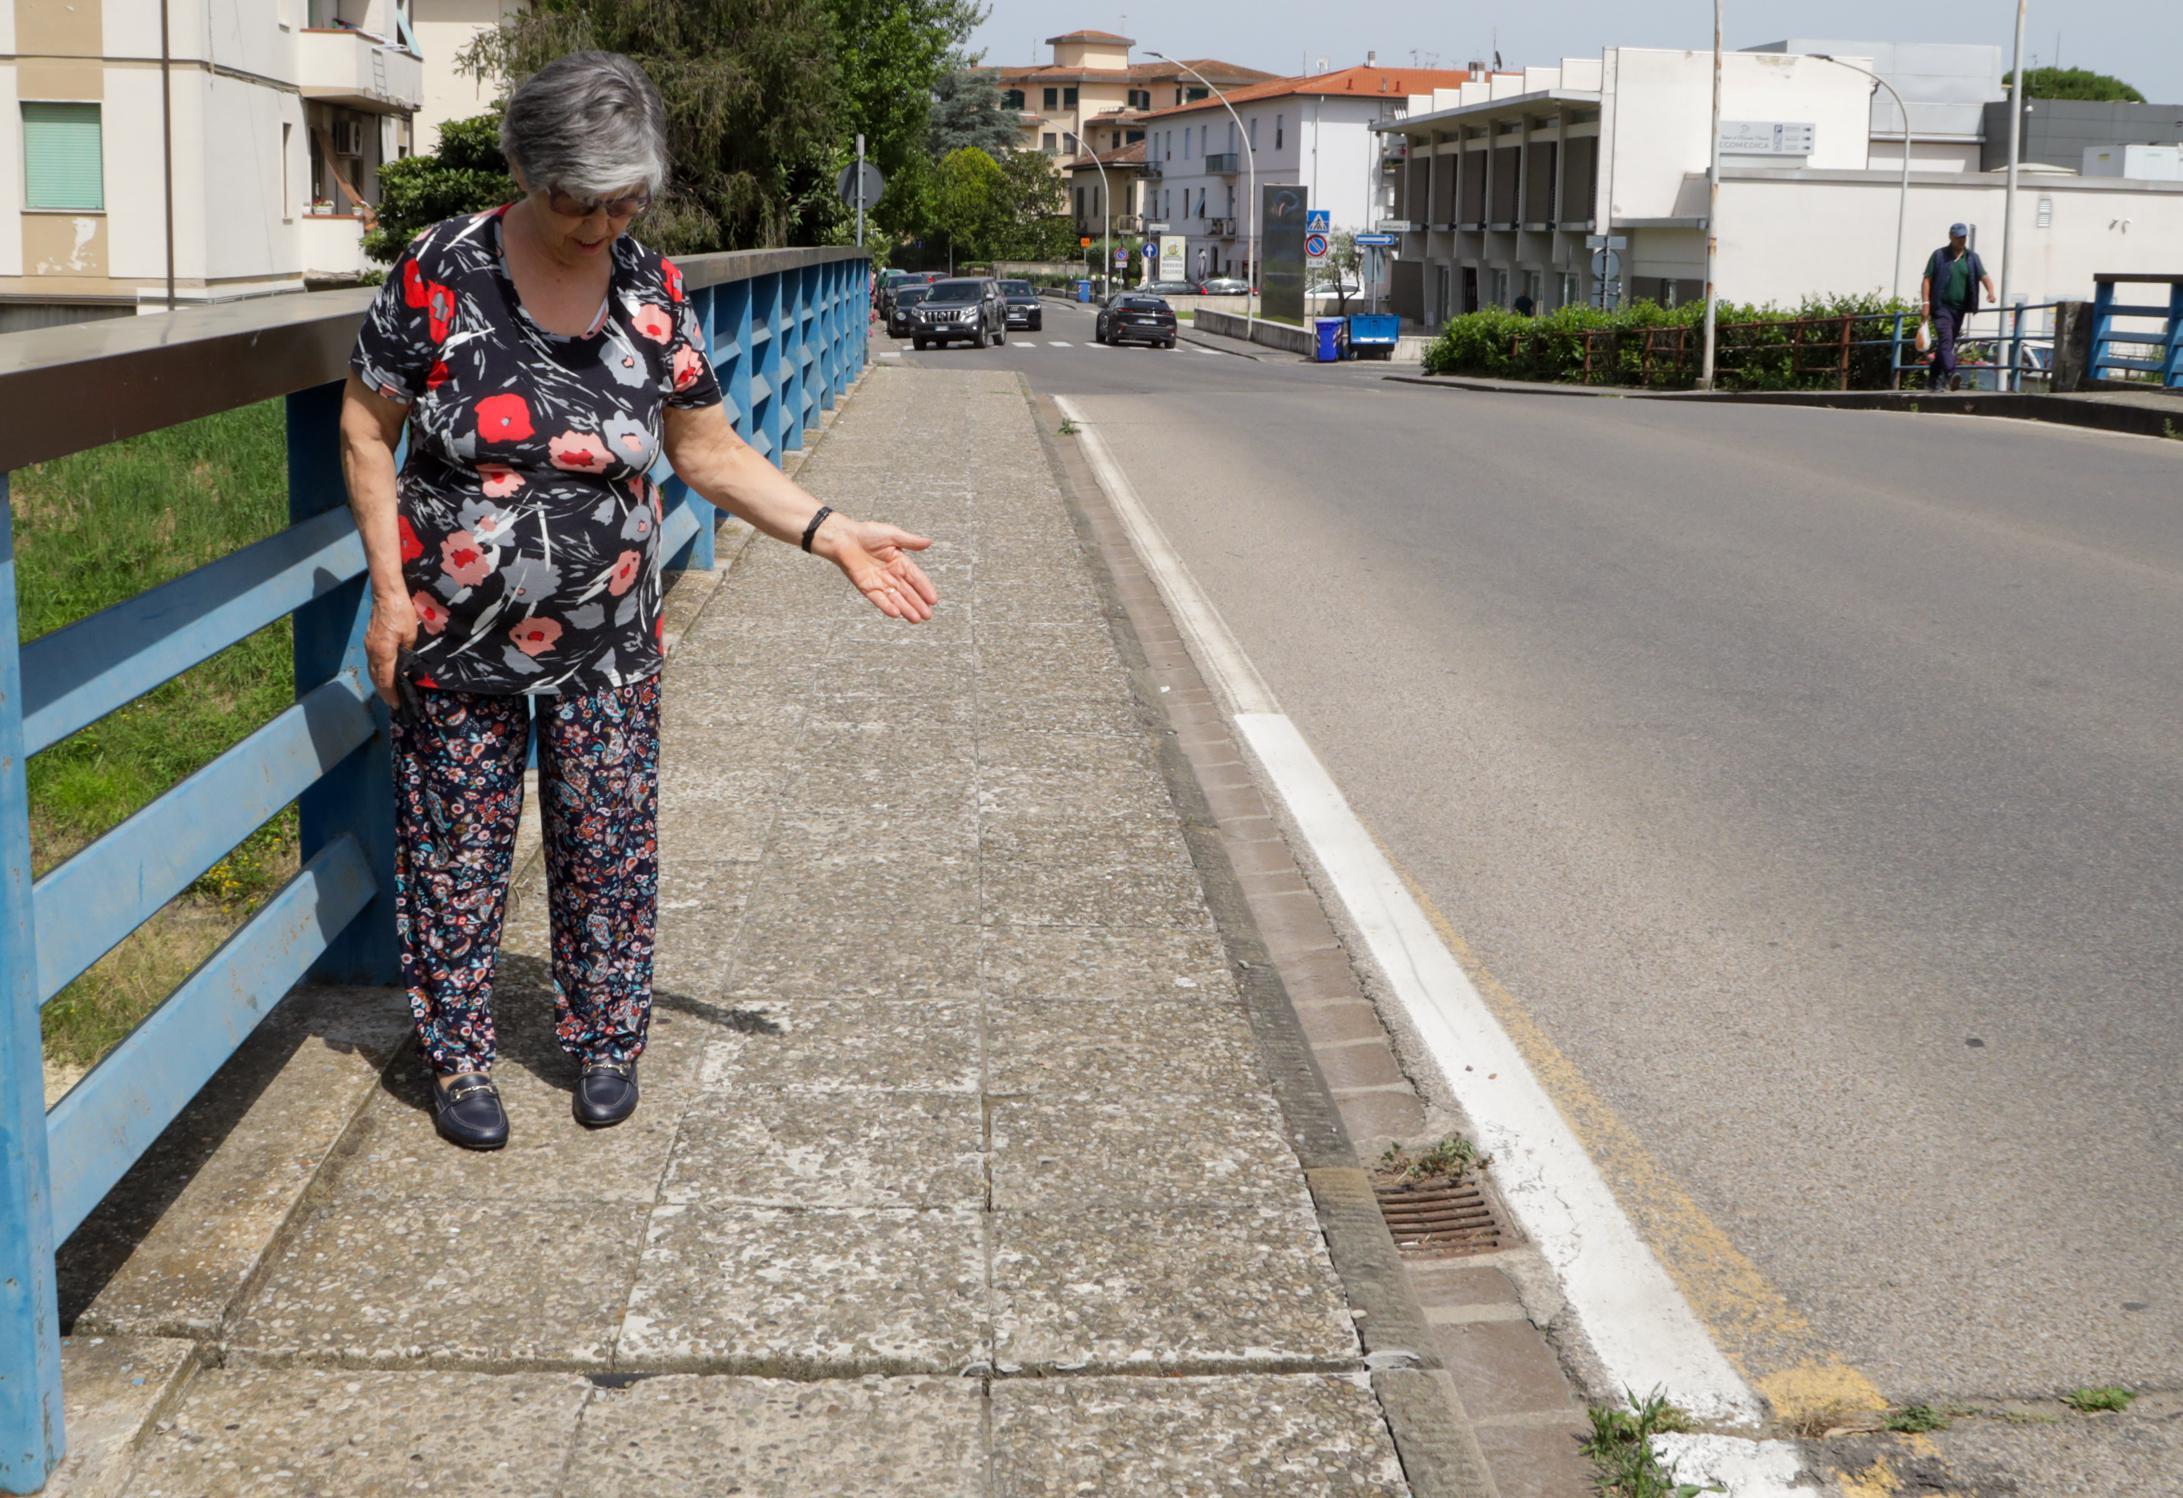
(568, 205)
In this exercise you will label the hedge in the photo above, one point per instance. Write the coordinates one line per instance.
(1757, 348)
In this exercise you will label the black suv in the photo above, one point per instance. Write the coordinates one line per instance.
(1023, 307)
(900, 319)
(1134, 315)
(966, 309)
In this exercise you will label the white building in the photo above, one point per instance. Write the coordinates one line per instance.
(445, 29)
(1313, 131)
(281, 113)
(1500, 188)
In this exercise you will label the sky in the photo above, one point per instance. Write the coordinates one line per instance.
(2139, 41)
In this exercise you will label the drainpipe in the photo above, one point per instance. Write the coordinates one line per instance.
(166, 140)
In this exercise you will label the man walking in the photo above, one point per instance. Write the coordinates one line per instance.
(1953, 277)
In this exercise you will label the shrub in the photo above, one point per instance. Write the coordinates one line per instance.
(1758, 348)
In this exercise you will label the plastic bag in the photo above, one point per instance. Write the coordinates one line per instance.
(1925, 337)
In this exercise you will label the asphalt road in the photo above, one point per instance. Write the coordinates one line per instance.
(1814, 779)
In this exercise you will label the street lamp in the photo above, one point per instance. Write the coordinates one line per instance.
(1250, 160)
(2007, 380)
(1902, 205)
(1106, 217)
(1712, 208)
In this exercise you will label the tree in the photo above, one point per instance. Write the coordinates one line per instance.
(970, 202)
(756, 116)
(892, 56)
(967, 112)
(2074, 83)
(1344, 266)
(464, 174)
(1036, 223)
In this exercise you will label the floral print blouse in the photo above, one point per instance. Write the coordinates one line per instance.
(528, 517)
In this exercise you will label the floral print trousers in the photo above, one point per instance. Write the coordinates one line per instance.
(458, 793)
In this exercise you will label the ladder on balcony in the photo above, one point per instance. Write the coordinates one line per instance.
(379, 89)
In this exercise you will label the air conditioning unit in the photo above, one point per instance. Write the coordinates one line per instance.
(348, 137)
(1398, 148)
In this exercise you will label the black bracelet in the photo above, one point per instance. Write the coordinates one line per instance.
(813, 528)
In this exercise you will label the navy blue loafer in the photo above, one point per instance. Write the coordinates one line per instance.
(467, 1112)
(606, 1093)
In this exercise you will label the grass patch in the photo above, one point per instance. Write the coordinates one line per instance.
(1916, 1420)
(92, 529)
(2103, 1400)
(1068, 427)
(1620, 1446)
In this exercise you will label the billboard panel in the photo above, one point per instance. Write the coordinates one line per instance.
(1282, 212)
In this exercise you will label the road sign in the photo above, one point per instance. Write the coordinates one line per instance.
(1121, 256)
(1155, 228)
(1083, 241)
(1376, 241)
(846, 183)
(1606, 241)
(1315, 247)
(1149, 250)
(1767, 137)
(1318, 220)
(1394, 226)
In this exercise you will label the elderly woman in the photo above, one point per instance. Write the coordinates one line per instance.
(542, 359)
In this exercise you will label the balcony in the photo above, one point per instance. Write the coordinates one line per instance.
(357, 70)
(1155, 169)
(1223, 164)
(333, 246)
(1221, 228)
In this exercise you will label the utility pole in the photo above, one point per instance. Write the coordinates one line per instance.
(2007, 380)
(860, 189)
(1712, 212)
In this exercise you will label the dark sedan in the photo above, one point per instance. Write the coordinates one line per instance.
(1023, 306)
(1136, 317)
(899, 321)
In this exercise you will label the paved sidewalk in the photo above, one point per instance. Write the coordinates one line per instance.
(958, 1170)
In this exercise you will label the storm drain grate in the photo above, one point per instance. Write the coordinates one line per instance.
(1440, 1222)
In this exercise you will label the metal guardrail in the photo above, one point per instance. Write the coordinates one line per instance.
(787, 330)
(2117, 351)
(2001, 360)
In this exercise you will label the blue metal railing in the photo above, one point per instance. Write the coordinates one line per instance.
(787, 330)
(2124, 351)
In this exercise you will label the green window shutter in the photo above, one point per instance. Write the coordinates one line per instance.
(61, 165)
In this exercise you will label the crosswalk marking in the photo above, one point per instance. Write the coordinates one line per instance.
(1058, 343)
(1024, 343)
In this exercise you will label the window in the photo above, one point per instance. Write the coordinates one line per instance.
(1068, 98)
(1131, 137)
(1013, 99)
(1053, 97)
(1194, 95)
(1079, 204)
(1280, 124)
(1201, 202)
(1186, 144)
(1254, 132)
(1201, 140)
(1231, 200)
(287, 192)
(62, 165)
(1049, 143)
(1140, 98)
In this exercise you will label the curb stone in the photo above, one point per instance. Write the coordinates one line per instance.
(1433, 1434)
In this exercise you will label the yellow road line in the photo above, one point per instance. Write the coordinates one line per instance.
(1769, 1340)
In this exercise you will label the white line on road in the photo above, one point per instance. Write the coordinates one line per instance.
(1638, 1322)
(1025, 343)
(1059, 343)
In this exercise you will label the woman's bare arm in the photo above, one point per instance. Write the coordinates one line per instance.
(371, 427)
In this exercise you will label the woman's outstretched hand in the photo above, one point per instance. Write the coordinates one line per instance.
(875, 557)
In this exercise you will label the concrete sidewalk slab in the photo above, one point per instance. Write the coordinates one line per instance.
(952, 1081)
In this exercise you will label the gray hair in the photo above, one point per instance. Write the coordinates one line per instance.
(587, 123)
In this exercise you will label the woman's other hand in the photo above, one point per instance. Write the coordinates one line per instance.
(392, 630)
(875, 557)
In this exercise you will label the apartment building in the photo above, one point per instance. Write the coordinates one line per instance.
(1498, 192)
(445, 30)
(1091, 79)
(258, 137)
(1315, 131)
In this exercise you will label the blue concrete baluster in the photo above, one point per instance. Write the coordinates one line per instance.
(765, 317)
(2103, 305)
(731, 335)
(31, 1439)
(357, 795)
(862, 334)
(2172, 350)
(789, 337)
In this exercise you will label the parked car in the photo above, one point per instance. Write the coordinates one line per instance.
(1330, 290)
(899, 323)
(1023, 306)
(1136, 316)
(1166, 288)
(966, 310)
(1224, 286)
(891, 281)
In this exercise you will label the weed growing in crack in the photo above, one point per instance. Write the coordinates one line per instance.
(1450, 1158)
(1620, 1446)
(2105, 1399)
(1916, 1420)
(1068, 427)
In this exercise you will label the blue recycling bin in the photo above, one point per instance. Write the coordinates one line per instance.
(1373, 334)
(1083, 291)
(1330, 339)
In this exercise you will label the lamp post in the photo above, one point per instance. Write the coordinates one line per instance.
(1902, 205)
(2007, 380)
(1106, 218)
(1250, 159)
(1712, 209)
